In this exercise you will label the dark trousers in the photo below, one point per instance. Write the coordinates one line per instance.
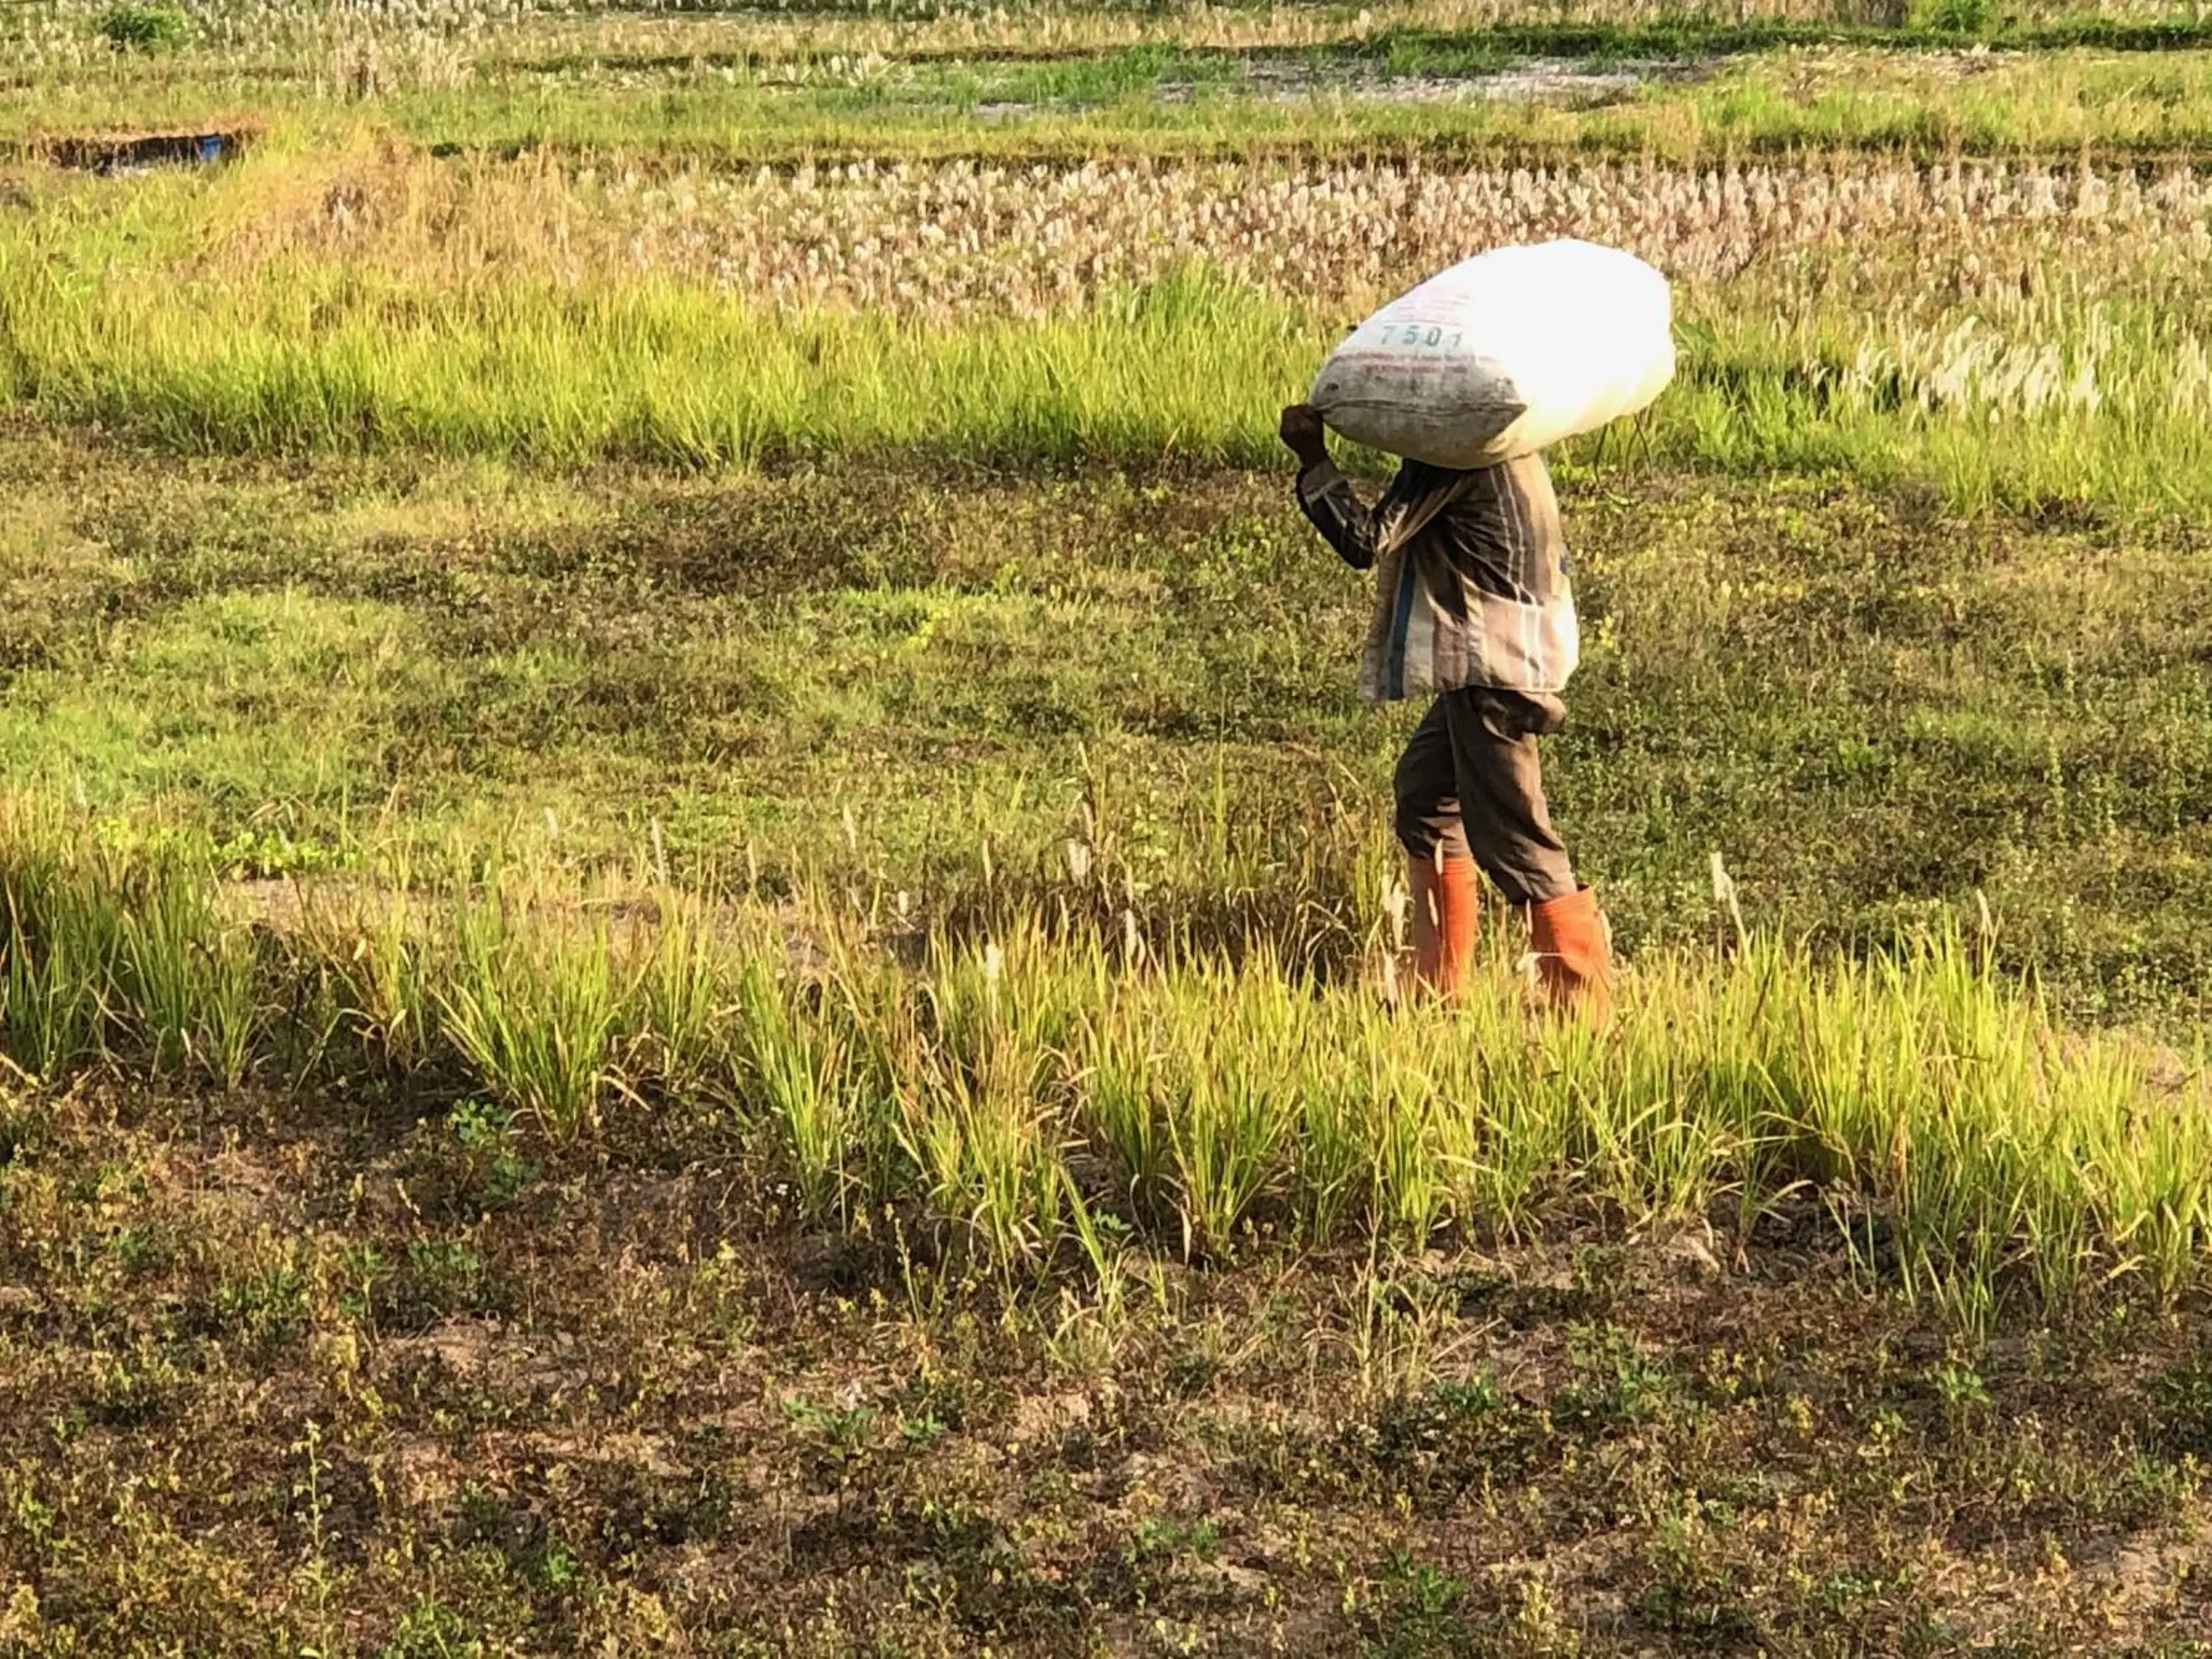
(1469, 783)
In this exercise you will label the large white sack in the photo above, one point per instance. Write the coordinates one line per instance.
(1503, 354)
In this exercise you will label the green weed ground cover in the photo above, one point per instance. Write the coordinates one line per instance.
(404, 1386)
(1872, 710)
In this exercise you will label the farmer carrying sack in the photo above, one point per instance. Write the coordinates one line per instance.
(1502, 355)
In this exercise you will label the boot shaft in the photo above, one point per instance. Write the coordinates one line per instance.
(1574, 953)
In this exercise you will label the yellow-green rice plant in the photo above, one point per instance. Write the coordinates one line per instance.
(1390, 1118)
(312, 357)
(185, 977)
(1974, 1144)
(364, 996)
(1233, 1042)
(2150, 1151)
(1421, 1139)
(372, 943)
(1121, 1112)
(1523, 1155)
(1756, 1019)
(985, 1148)
(1825, 1083)
(1665, 1122)
(683, 991)
(1972, 1152)
(802, 1082)
(64, 938)
(119, 953)
(535, 1006)
(1837, 312)
(1022, 980)
(981, 1120)
(1333, 1175)
(1937, 1104)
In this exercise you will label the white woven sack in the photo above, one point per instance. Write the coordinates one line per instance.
(1503, 354)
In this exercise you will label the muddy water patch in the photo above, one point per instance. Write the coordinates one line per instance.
(1542, 80)
(1565, 82)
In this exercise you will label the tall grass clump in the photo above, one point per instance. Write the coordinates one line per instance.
(813, 1092)
(538, 1013)
(650, 370)
(185, 977)
(138, 27)
(982, 1118)
(681, 990)
(116, 958)
(62, 944)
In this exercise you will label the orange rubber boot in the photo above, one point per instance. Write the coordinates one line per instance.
(1447, 905)
(1574, 954)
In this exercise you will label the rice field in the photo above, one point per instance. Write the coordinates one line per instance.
(701, 950)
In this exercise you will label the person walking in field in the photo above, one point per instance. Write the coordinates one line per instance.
(1472, 604)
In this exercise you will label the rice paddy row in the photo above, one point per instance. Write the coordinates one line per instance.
(1036, 1093)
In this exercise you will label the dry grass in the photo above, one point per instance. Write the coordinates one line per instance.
(942, 242)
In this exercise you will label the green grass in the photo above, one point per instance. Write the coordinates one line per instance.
(567, 378)
(300, 359)
(618, 375)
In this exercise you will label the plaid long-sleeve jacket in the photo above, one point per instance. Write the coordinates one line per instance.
(1471, 578)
